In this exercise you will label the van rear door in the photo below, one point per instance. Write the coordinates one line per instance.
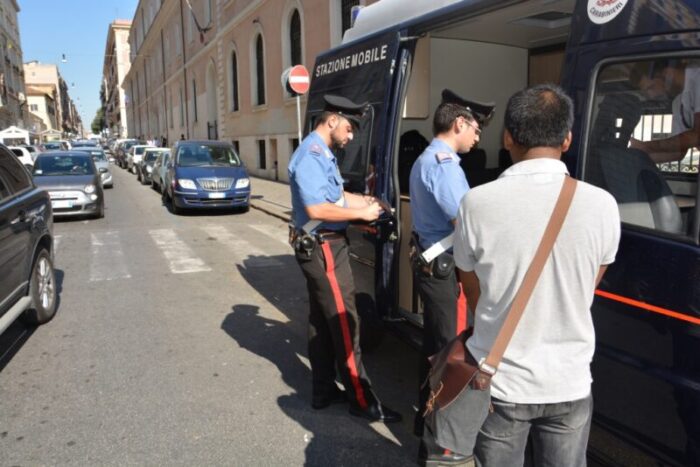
(361, 72)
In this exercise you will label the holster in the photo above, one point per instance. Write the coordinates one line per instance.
(415, 256)
(441, 267)
(302, 243)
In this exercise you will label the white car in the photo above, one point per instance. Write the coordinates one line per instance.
(24, 156)
(135, 155)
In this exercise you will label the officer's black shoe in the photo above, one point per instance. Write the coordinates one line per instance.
(446, 458)
(321, 402)
(376, 413)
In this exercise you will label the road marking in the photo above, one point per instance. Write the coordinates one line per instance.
(107, 260)
(181, 258)
(245, 252)
(265, 230)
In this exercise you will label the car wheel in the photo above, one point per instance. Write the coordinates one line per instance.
(42, 290)
(138, 176)
(176, 210)
(100, 212)
(154, 186)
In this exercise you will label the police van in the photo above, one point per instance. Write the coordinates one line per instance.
(633, 70)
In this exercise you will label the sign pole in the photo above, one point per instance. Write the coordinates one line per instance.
(299, 117)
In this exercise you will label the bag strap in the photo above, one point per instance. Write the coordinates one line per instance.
(532, 275)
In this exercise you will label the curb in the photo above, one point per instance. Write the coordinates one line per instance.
(271, 212)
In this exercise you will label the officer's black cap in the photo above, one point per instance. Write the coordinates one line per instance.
(345, 107)
(482, 111)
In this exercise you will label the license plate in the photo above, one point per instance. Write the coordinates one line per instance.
(61, 204)
(217, 195)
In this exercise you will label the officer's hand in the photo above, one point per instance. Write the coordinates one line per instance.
(371, 212)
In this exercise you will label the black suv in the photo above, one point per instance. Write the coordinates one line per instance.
(27, 280)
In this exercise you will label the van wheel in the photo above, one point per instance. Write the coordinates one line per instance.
(42, 290)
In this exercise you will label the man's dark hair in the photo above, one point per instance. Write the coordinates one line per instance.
(323, 118)
(446, 114)
(540, 116)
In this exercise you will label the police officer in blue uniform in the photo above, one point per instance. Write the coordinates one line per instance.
(321, 210)
(437, 185)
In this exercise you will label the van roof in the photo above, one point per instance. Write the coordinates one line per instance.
(388, 14)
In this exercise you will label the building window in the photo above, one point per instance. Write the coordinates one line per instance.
(295, 38)
(262, 159)
(194, 98)
(346, 12)
(295, 144)
(234, 81)
(236, 146)
(259, 71)
(34, 107)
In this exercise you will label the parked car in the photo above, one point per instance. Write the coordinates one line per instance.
(135, 155)
(144, 168)
(27, 281)
(73, 183)
(101, 162)
(206, 174)
(122, 148)
(160, 167)
(33, 150)
(54, 146)
(23, 155)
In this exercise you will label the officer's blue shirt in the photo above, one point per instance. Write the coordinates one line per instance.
(437, 185)
(314, 179)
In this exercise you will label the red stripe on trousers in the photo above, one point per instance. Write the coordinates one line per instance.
(345, 328)
(461, 311)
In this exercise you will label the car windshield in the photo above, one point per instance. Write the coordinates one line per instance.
(128, 144)
(201, 155)
(52, 145)
(150, 156)
(97, 154)
(139, 150)
(63, 165)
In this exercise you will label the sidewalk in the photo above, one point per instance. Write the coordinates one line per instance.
(271, 197)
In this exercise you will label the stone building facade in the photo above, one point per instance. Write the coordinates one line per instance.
(47, 75)
(219, 77)
(13, 110)
(116, 65)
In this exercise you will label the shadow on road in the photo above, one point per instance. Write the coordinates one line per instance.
(18, 333)
(337, 438)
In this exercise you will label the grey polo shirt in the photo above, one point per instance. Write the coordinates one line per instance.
(499, 226)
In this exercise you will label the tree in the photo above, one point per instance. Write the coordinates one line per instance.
(98, 123)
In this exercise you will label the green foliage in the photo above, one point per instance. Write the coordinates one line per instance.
(98, 123)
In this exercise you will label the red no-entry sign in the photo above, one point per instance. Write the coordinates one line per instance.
(299, 80)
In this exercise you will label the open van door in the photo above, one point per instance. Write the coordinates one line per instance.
(363, 72)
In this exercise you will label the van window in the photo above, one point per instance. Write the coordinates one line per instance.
(643, 142)
(14, 174)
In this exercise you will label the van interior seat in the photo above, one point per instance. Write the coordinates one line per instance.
(639, 187)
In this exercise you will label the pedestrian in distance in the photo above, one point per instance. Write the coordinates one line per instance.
(437, 184)
(321, 210)
(542, 388)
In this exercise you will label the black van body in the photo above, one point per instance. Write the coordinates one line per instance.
(647, 310)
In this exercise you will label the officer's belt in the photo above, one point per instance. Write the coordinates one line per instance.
(313, 223)
(438, 248)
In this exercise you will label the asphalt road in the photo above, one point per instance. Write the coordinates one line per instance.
(181, 340)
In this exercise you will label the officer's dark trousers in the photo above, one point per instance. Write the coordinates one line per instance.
(334, 325)
(444, 316)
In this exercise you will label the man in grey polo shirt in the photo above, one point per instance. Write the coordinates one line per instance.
(543, 384)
